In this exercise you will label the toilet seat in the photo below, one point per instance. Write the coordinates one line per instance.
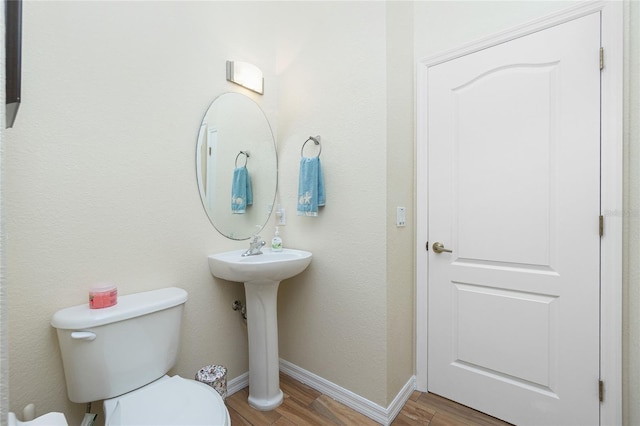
(168, 401)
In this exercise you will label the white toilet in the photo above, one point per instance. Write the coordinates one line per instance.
(121, 354)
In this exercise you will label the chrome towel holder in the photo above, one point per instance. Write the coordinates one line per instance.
(246, 157)
(316, 141)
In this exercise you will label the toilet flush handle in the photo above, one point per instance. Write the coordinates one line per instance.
(83, 335)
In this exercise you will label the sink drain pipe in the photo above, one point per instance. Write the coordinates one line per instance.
(238, 306)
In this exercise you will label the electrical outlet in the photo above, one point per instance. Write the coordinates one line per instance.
(401, 216)
(282, 217)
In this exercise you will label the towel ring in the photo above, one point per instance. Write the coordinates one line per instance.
(316, 140)
(246, 157)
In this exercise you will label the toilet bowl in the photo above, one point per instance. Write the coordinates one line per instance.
(121, 355)
(168, 401)
(49, 419)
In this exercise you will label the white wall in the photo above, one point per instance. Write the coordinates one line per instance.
(400, 193)
(99, 173)
(100, 181)
(345, 71)
(442, 25)
(332, 71)
(631, 220)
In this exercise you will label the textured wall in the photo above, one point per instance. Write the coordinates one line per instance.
(331, 70)
(400, 192)
(100, 181)
(346, 72)
(99, 173)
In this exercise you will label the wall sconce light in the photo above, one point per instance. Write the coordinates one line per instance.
(246, 75)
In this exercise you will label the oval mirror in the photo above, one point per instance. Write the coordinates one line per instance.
(236, 166)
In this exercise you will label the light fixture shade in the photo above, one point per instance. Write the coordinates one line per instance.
(246, 75)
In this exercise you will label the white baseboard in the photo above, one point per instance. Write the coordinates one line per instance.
(401, 398)
(237, 383)
(362, 405)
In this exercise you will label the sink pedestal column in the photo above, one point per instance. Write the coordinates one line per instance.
(264, 363)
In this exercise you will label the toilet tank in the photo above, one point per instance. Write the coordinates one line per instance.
(111, 351)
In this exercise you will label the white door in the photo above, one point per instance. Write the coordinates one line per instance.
(514, 193)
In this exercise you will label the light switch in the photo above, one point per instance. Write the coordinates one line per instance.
(282, 217)
(401, 216)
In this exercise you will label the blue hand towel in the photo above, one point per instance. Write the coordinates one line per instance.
(241, 194)
(311, 193)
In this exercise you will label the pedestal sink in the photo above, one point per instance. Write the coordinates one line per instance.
(261, 275)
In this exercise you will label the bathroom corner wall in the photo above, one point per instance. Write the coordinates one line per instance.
(100, 181)
(400, 192)
(346, 72)
(331, 69)
(99, 174)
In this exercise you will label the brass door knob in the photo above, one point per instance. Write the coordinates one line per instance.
(439, 248)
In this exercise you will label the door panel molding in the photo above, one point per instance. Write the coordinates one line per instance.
(611, 192)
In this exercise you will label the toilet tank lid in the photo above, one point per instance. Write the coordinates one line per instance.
(129, 306)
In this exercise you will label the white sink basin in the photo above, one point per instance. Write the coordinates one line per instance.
(261, 275)
(269, 266)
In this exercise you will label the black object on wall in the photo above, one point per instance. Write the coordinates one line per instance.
(13, 49)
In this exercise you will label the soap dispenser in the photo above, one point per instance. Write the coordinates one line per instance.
(276, 242)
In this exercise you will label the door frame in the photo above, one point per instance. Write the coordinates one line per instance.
(611, 191)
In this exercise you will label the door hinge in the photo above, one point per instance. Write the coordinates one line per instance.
(601, 225)
(601, 58)
(601, 390)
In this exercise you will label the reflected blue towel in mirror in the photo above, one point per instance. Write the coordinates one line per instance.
(311, 193)
(241, 195)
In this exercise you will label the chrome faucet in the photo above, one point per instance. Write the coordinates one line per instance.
(255, 246)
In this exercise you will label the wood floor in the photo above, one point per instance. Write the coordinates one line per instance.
(303, 405)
